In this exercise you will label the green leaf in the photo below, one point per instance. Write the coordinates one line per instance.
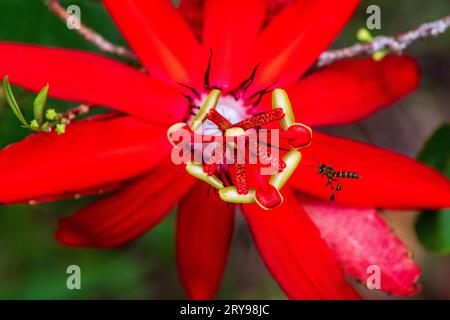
(435, 152)
(433, 227)
(39, 105)
(433, 230)
(12, 101)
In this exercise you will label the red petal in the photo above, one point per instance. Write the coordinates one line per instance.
(77, 194)
(90, 154)
(295, 38)
(159, 35)
(192, 11)
(230, 28)
(90, 78)
(204, 229)
(349, 91)
(123, 216)
(388, 179)
(275, 6)
(295, 253)
(360, 238)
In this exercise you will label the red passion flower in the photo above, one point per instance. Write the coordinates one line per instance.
(245, 48)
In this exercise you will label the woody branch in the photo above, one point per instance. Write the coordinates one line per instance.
(396, 44)
(76, 111)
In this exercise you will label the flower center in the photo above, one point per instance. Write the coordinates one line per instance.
(231, 109)
(224, 146)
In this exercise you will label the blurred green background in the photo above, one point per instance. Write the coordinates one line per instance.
(33, 265)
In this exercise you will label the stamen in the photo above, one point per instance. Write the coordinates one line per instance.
(261, 119)
(267, 196)
(243, 181)
(298, 135)
(280, 100)
(210, 103)
(230, 194)
(218, 120)
(291, 159)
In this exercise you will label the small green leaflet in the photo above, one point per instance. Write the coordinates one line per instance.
(39, 105)
(12, 101)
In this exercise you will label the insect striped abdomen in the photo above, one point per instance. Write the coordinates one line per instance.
(347, 174)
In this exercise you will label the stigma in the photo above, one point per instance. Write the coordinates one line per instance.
(247, 158)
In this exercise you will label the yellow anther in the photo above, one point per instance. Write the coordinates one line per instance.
(210, 103)
(280, 99)
(172, 129)
(292, 159)
(230, 194)
(234, 132)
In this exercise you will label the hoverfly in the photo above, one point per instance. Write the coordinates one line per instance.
(332, 176)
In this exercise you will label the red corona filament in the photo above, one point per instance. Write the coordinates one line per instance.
(261, 119)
